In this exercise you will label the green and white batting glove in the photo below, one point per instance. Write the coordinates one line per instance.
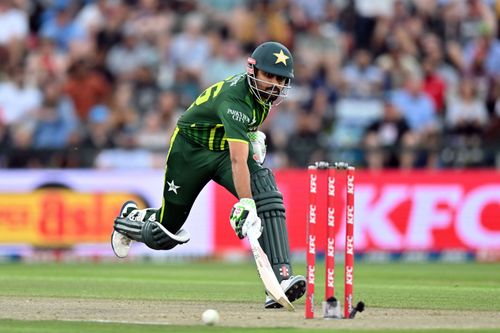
(258, 141)
(244, 216)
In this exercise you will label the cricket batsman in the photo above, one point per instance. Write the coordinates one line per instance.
(217, 138)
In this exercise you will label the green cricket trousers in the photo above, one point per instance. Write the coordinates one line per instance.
(189, 167)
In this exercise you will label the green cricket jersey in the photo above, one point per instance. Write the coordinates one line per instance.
(225, 111)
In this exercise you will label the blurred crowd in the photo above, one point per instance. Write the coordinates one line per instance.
(382, 84)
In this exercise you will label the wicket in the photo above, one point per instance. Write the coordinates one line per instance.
(330, 239)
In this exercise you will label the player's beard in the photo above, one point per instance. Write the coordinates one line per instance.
(271, 93)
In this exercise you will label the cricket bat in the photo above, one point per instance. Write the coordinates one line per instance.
(266, 272)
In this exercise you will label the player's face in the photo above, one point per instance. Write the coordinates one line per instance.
(270, 84)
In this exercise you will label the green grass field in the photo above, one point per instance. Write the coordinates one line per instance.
(430, 287)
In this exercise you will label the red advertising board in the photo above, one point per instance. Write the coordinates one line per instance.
(395, 211)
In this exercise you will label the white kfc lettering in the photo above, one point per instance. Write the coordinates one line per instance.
(331, 247)
(312, 244)
(312, 182)
(331, 216)
(350, 245)
(428, 213)
(350, 214)
(312, 214)
(331, 186)
(469, 226)
(330, 278)
(350, 184)
(372, 216)
(348, 272)
(310, 274)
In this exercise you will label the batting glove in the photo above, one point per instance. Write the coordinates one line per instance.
(244, 216)
(258, 141)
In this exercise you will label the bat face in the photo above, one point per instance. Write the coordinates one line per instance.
(267, 275)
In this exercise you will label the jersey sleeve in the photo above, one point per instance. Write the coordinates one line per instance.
(235, 116)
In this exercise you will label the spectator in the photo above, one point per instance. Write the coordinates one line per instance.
(395, 65)
(130, 54)
(46, 62)
(258, 21)
(477, 17)
(361, 78)
(99, 129)
(13, 31)
(389, 141)
(190, 49)
(151, 135)
(63, 29)
(86, 87)
(466, 114)
(227, 60)
(5, 144)
(433, 85)
(280, 126)
(482, 55)
(22, 156)
(318, 42)
(17, 96)
(56, 119)
(419, 112)
(128, 156)
(417, 108)
(145, 91)
(304, 146)
(92, 17)
(123, 115)
(151, 19)
(169, 111)
(433, 51)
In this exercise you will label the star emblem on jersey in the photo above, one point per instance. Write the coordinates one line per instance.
(172, 187)
(281, 57)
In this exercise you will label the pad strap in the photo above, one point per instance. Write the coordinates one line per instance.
(151, 233)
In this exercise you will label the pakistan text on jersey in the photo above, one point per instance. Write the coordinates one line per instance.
(238, 116)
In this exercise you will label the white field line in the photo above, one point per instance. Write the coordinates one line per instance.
(109, 321)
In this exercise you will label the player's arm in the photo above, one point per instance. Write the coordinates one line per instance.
(235, 116)
(244, 213)
(238, 150)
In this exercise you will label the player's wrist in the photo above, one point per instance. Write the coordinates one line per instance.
(248, 202)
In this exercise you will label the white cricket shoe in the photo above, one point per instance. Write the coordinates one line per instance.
(119, 242)
(294, 288)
